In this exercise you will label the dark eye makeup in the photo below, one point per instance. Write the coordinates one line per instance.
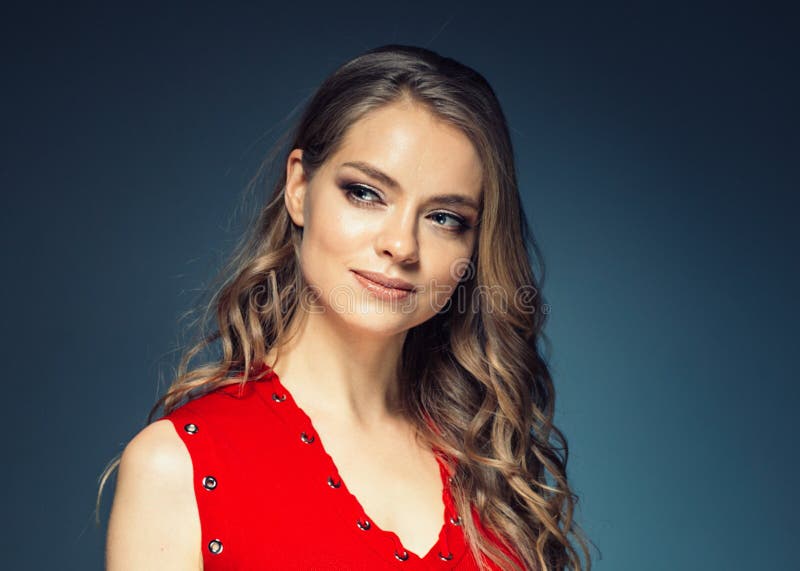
(354, 192)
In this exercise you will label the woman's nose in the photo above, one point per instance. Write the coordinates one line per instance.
(398, 238)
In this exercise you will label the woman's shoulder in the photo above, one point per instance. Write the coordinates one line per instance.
(159, 452)
(154, 518)
(228, 419)
(156, 460)
(234, 400)
(158, 448)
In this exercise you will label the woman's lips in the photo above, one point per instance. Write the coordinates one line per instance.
(382, 291)
(385, 280)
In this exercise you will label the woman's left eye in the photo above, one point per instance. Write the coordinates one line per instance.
(460, 223)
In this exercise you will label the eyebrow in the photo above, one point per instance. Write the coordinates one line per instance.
(371, 171)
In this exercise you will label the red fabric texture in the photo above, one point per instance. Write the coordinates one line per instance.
(270, 497)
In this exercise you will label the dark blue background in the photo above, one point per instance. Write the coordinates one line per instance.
(657, 152)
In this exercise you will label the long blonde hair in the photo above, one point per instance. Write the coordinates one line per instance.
(475, 368)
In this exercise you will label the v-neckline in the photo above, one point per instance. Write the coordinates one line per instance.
(282, 396)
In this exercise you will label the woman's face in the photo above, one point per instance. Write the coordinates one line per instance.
(399, 198)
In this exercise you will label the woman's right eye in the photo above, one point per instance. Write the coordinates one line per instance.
(356, 191)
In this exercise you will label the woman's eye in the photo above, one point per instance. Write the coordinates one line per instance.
(460, 225)
(359, 194)
(357, 191)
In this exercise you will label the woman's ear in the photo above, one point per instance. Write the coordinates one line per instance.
(296, 185)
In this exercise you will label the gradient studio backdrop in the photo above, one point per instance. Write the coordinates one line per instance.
(657, 151)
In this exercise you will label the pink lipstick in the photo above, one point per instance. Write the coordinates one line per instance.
(383, 286)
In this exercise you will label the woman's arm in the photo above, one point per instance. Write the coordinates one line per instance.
(154, 520)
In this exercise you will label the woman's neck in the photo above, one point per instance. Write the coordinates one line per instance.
(349, 375)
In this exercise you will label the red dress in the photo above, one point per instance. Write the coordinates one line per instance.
(270, 497)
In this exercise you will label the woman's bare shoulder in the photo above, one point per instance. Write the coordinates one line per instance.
(154, 520)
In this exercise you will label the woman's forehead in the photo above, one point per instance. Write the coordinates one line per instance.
(413, 148)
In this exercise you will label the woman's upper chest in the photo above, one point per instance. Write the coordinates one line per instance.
(270, 492)
(396, 481)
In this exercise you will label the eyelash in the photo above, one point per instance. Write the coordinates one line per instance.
(351, 189)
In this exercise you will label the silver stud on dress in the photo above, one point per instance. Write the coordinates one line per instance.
(402, 557)
(209, 482)
(215, 546)
(456, 521)
(333, 484)
(306, 438)
(190, 428)
(277, 398)
(447, 557)
(365, 525)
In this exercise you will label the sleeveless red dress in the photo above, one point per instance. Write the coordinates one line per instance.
(270, 497)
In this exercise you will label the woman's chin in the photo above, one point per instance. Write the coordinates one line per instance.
(378, 322)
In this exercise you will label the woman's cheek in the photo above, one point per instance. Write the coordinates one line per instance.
(349, 226)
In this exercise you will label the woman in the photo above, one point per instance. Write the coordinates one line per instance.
(380, 400)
